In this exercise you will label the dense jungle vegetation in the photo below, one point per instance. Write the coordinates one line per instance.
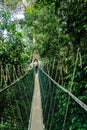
(57, 31)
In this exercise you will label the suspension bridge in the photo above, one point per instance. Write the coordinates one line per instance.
(33, 101)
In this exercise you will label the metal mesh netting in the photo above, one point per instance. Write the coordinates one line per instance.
(10, 73)
(54, 105)
(15, 104)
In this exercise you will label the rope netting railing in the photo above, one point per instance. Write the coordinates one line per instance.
(54, 105)
(15, 103)
(10, 73)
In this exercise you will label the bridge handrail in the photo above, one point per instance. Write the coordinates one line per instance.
(82, 104)
(12, 84)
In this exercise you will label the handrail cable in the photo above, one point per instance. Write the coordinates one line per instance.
(16, 102)
(82, 104)
(12, 84)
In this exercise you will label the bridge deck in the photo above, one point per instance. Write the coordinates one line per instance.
(36, 114)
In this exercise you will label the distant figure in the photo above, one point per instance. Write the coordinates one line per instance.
(36, 65)
(35, 60)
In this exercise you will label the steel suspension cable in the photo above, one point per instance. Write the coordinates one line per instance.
(14, 82)
(82, 104)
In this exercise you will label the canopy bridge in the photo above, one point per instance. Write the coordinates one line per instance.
(32, 102)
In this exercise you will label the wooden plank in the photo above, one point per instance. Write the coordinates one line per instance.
(36, 113)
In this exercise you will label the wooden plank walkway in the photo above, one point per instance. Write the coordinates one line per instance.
(36, 113)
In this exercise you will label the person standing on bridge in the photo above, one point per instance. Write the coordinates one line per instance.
(36, 65)
(35, 60)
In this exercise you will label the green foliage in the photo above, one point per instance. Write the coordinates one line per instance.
(60, 29)
(4, 126)
(55, 29)
(12, 47)
(10, 3)
(5, 19)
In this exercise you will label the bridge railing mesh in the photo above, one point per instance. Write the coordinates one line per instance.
(15, 104)
(10, 73)
(60, 111)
